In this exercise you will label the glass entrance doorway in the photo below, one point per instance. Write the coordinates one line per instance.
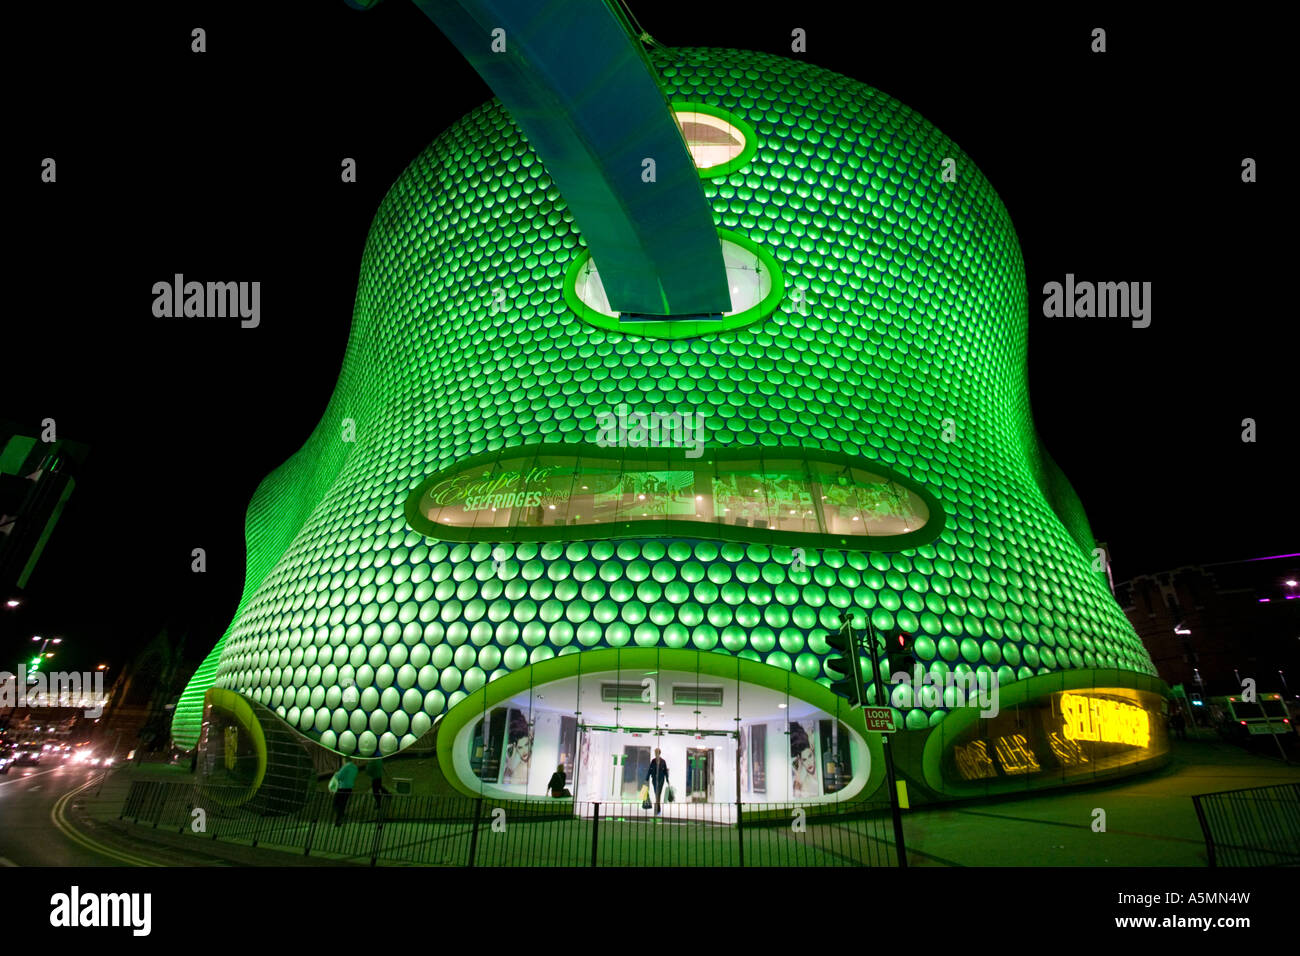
(699, 774)
(612, 767)
(636, 763)
(724, 742)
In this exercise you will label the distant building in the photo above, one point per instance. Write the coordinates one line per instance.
(1209, 627)
(145, 693)
(39, 725)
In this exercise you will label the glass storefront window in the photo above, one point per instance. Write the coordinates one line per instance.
(723, 740)
(588, 491)
(486, 746)
(1062, 736)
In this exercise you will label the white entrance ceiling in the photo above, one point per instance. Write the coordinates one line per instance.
(583, 694)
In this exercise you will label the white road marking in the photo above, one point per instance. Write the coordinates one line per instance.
(27, 776)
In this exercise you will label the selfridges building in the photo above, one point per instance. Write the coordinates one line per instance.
(533, 530)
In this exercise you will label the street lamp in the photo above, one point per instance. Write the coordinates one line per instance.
(45, 642)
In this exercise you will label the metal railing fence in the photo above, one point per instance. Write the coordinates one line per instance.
(1257, 826)
(468, 831)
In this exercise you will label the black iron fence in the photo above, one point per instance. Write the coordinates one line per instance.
(466, 831)
(1259, 826)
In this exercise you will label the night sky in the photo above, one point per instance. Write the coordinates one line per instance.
(225, 166)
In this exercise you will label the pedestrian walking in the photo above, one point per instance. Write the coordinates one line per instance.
(341, 785)
(657, 775)
(375, 771)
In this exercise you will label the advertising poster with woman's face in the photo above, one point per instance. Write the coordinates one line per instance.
(519, 748)
(803, 760)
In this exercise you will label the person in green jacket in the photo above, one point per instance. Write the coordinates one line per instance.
(346, 776)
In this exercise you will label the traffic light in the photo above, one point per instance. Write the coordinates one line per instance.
(845, 673)
(902, 654)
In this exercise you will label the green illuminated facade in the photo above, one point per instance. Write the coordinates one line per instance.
(896, 345)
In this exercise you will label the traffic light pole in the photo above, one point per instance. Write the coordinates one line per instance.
(882, 700)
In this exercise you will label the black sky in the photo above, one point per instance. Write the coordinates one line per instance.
(1122, 166)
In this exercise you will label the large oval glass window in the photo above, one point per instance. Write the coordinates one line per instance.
(580, 492)
(719, 141)
(753, 279)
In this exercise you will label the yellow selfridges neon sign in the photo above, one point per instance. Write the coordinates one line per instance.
(1105, 721)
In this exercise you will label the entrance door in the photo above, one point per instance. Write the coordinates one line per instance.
(699, 774)
(636, 763)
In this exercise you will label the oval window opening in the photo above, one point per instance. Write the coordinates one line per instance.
(753, 279)
(717, 141)
(748, 278)
(583, 492)
(711, 140)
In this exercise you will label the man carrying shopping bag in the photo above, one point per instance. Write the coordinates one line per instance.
(656, 775)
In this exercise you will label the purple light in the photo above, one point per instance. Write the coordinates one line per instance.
(1274, 557)
(1264, 600)
(1292, 597)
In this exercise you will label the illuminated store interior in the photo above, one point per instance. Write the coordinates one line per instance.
(718, 736)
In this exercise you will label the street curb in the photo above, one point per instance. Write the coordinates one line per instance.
(135, 839)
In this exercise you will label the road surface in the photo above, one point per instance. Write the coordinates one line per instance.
(34, 825)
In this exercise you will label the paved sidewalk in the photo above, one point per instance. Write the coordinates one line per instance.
(1150, 820)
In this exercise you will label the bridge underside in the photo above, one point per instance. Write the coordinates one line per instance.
(576, 81)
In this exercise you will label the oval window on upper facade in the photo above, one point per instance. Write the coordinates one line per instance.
(582, 492)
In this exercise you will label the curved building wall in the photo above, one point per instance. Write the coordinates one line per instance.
(901, 340)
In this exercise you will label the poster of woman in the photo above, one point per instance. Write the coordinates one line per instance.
(519, 748)
(803, 761)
